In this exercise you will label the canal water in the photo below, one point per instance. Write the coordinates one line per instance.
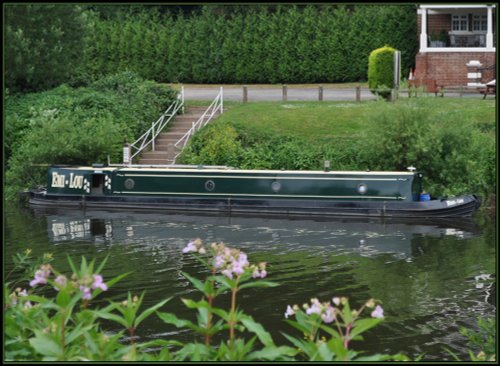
(431, 277)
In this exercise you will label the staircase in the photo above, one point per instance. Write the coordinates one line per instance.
(165, 151)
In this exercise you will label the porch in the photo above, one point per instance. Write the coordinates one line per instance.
(457, 28)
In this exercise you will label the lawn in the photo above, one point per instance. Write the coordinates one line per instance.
(316, 121)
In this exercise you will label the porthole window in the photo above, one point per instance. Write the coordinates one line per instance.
(209, 185)
(362, 188)
(276, 186)
(129, 183)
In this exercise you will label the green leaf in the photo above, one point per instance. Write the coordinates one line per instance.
(77, 332)
(273, 353)
(110, 316)
(72, 265)
(258, 329)
(330, 330)
(200, 286)
(222, 313)
(295, 341)
(194, 352)
(363, 325)
(170, 318)
(227, 282)
(101, 266)
(336, 345)
(159, 343)
(324, 353)
(45, 345)
(149, 311)
(191, 304)
(258, 284)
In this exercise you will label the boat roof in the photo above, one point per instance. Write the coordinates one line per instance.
(208, 169)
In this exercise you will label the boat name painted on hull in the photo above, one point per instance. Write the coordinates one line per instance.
(74, 182)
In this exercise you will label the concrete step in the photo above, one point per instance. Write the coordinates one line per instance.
(171, 135)
(155, 155)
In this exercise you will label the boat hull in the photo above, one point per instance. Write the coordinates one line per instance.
(462, 206)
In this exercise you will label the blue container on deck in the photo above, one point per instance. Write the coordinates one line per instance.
(425, 197)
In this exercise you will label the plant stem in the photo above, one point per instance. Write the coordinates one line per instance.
(209, 321)
(346, 338)
(131, 332)
(233, 312)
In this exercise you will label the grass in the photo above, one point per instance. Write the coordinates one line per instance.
(320, 121)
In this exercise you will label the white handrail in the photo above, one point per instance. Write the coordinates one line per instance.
(217, 104)
(150, 135)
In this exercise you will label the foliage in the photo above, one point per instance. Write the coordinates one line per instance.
(456, 158)
(484, 340)
(248, 44)
(43, 43)
(222, 148)
(381, 71)
(58, 318)
(315, 346)
(77, 126)
(450, 141)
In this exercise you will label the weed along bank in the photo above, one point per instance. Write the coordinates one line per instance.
(228, 190)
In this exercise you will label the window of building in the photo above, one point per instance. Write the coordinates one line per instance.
(460, 22)
(480, 23)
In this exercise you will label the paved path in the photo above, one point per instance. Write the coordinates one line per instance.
(294, 93)
(274, 93)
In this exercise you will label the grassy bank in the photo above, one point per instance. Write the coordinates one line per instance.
(451, 140)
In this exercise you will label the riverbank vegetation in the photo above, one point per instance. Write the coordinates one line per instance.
(451, 141)
(77, 125)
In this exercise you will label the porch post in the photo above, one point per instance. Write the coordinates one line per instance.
(423, 30)
(489, 34)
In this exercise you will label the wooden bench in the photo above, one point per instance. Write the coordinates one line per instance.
(491, 89)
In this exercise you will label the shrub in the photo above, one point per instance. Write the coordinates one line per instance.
(381, 71)
(77, 126)
(222, 148)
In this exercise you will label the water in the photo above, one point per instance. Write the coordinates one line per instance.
(432, 277)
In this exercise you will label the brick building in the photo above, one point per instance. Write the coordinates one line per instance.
(457, 45)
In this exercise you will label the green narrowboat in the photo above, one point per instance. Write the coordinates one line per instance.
(222, 189)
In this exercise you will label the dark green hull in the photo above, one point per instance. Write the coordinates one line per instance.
(231, 190)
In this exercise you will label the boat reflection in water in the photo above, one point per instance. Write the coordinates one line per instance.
(366, 236)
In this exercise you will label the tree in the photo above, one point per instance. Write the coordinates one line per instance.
(43, 44)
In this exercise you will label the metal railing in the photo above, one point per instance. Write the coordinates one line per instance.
(217, 104)
(156, 127)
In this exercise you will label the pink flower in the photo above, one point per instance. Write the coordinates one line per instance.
(86, 293)
(228, 273)
(190, 247)
(289, 311)
(98, 283)
(219, 261)
(315, 308)
(61, 281)
(378, 312)
(238, 268)
(41, 276)
(329, 315)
